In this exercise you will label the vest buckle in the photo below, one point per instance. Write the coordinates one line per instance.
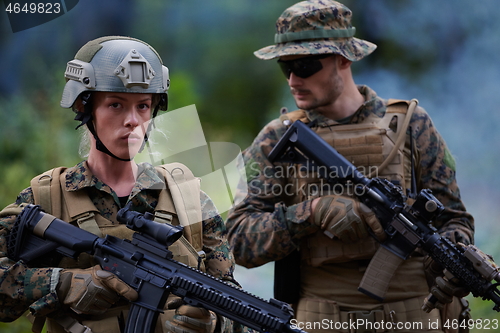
(88, 222)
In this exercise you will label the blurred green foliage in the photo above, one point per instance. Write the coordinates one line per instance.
(443, 56)
(19, 326)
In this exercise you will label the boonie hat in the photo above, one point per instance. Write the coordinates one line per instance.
(316, 27)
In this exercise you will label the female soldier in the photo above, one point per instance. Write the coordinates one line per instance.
(115, 85)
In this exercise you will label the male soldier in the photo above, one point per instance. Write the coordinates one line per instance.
(115, 85)
(289, 208)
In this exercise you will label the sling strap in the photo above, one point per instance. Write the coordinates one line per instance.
(185, 192)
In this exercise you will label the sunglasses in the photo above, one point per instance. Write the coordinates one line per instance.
(302, 67)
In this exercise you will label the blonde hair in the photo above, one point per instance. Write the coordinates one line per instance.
(84, 148)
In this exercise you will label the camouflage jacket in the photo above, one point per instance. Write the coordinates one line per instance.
(23, 288)
(263, 229)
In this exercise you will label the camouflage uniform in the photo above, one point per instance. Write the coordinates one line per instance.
(274, 219)
(269, 224)
(23, 288)
(263, 229)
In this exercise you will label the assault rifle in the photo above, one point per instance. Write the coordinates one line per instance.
(146, 264)
(407, 226)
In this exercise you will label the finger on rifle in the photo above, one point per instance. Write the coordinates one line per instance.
(111, 281)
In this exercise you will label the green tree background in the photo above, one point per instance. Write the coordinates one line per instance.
(443, 53)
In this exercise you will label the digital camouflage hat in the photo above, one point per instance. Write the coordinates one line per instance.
(316, 27)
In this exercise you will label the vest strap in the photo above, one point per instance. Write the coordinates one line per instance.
(44, 192)
(80, 208)
(181, 182)
(89, 223)
(401, 137)
(185, 191)
(163, 218)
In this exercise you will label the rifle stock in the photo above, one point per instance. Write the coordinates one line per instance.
(407, 227)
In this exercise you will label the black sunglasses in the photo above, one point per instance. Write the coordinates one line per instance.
(302, 67)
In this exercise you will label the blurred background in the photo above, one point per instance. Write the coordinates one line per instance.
(443, 53)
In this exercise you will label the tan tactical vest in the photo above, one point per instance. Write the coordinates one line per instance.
(178, 204)
(378, 147)
(370, 146)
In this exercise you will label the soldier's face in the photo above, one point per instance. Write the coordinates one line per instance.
(120, 120)
(318, 91)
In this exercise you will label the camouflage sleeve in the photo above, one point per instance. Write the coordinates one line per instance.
(437, 172)
(261, 227)
(21, 287)
(219, 261)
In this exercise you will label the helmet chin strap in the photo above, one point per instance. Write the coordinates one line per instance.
(85, 118)
(100, 146)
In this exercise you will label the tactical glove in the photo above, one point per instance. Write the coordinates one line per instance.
(457, 234)
(190, 319)
(442, 287)
(445, 289)
(346, 218)
(92, 290)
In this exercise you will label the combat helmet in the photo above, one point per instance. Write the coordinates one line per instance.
(114, 64)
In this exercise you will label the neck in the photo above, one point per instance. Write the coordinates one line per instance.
(119, 175)
(347, 103)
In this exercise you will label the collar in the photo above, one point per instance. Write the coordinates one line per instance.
(80, 176)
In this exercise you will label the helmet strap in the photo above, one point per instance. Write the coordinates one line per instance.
(85, 118)
(151, 125)
(100, 146)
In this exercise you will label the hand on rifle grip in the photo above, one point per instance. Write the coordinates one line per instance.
(442, 288)
(190, 319)
(92, 290)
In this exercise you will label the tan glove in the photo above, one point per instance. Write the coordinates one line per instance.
(442, 287)
(432, 270)
(190, 319)
(445, 289)
(346, 218)
(92, 290)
